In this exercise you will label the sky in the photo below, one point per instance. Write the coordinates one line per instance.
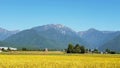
(79, 15)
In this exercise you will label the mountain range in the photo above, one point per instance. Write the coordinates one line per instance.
(113, 44)
(98, 38)
(5, 33)
(57, 36)
(48, 36)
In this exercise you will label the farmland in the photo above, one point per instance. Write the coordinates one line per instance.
(58, 60)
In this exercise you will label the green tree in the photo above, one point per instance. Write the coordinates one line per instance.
(89, 50)
(82, 48)
(70, 48)
(24, 49)
(8, 49)
(107, 50)
(95, 51)
(86, 50)
(77, 49)
(112, 52)
(3, 49)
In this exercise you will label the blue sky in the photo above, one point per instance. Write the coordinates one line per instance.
(77, 14)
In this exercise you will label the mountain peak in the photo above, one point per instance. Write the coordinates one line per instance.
(55, 25)
(92, 29)
(3, 30)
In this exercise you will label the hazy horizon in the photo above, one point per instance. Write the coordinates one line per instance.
(79, 15)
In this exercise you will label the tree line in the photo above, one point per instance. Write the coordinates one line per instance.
(81, 49)
(75, 49)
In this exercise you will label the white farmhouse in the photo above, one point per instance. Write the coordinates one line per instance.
(14, 49)
(6, 48)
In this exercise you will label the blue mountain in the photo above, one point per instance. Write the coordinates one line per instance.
(113, 44)
(96, 38)
(52, 36)
(5, 33)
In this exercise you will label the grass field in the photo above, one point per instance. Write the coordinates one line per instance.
(58, 60)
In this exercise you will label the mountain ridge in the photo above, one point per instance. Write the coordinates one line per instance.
(113, 44)
(46, 36)
(58, 36)
(97, 38)
(6, 33)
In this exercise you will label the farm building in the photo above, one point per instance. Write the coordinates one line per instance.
(46, 49)
(6, 48)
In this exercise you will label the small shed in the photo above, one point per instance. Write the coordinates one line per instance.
(46, 49)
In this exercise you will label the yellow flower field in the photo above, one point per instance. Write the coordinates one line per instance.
(60, 61)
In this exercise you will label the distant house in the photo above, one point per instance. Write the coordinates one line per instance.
(101, 52)
(46, 49)
(6, 48)
(14, 49)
